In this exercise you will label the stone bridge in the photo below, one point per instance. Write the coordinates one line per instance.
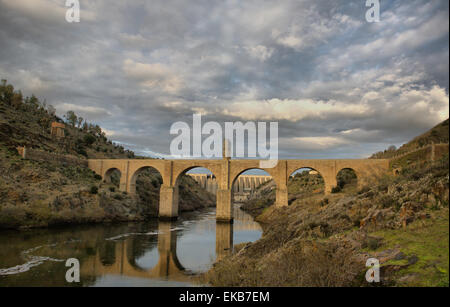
(226, 171)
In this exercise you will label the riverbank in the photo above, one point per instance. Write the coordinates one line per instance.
(325, 241)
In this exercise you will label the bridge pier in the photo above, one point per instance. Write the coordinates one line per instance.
(224, 240)
(281, 199)
(123, 184)
(281, 178)
(224, 205)
(168, 202)
(330, 183)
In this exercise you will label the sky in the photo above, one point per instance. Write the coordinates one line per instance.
(338, 86)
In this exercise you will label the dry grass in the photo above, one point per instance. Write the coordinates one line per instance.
(300, 263)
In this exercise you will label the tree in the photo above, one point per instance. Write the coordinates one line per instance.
(89, 139)
(392, 148)
(33, 100)
(71, 118)
(6, 92)
(97, 130)
(17, 99)
(51, 110)
(80, 121)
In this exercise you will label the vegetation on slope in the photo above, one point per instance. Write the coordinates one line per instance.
(27, 121)
(436, 135)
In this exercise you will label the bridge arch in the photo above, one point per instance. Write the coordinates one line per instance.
(305, 182)
(135, 167)
(238, 171)
(169, 195)
(241, 184)
(183, 166)
(113, 176)
(187, 170)
(132, 182)
(346, 177)
(326, 168)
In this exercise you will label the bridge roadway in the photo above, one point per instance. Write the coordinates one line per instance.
(226, 171)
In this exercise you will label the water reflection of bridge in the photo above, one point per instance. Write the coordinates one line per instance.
(243, 222)
(168, 266)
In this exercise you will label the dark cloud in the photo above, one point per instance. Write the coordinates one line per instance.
(337, 85)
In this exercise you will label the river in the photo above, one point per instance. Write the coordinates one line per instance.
(153, 253)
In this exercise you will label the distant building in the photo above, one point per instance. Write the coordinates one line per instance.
(313, 172)
(57, 129)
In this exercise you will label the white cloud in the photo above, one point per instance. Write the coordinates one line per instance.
(319, 143)
(86, 111)
(157, 75)
(291, 110)
(259, 52)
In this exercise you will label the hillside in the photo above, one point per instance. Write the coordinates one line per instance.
(403, 221)
(45, 193)
(436, 135)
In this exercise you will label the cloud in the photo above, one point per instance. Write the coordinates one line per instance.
(86, 111)
(319, 143)
(291, 110)
(259, 52)
(153, 75)
(328, 77)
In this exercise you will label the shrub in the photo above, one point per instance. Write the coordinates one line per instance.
(155, 183)
(118, 197)
(323, 202)
(373, 243)
(336, 189)
(94, 189)
(89, 139)
(82, 152)
(364, 189)
(387, 201)
(97, 177)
